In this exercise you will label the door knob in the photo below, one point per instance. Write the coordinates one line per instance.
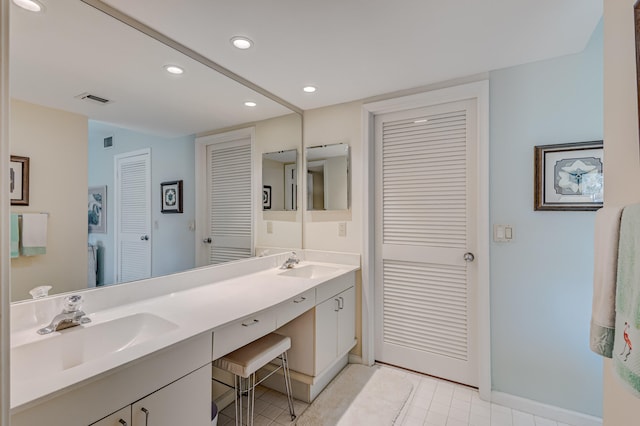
(144, 238)
(468, 257)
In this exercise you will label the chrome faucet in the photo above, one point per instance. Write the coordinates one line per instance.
(291, 261)
(70, 316)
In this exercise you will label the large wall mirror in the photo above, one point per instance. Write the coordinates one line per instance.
(87, 89)
(328, 177)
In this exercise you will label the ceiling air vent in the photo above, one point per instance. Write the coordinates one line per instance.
(93, 98)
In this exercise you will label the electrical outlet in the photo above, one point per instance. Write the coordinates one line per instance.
(269, 227)
(342, 229)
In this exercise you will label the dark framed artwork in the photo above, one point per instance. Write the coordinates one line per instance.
(19, 180)
(97, 210)
(171, 196)
(266, 197)
(568, 176)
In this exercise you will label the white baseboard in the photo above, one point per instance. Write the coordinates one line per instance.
(543, 410)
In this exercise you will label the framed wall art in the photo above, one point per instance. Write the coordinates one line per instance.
(568, 176)
(266, 197)
(97, 210)
(171, 196)
(19, 180)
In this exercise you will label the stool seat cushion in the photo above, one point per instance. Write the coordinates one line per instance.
(248, 359)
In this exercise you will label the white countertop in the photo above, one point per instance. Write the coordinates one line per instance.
(195, 310)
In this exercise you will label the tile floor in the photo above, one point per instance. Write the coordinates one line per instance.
(433, 402)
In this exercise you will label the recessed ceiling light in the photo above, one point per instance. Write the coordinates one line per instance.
(241, 42)
(309, 89)
(30, 5)
(173, 69)
(250, 104)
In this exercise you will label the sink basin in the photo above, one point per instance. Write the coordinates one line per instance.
(77, 345)
(308, 271)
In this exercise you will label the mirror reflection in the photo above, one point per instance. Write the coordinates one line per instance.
(83, 109)
(280, 180)
(328, 177)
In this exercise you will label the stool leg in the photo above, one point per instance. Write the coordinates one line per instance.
(237, 387)
(251, 398)
(287, 384)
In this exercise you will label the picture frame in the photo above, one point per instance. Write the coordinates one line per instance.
(19, 180)
(171, 196)
(266, 197)
(97, 209)
(568, 176)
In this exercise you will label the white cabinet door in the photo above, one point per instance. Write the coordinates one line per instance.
(346, 320)
(326, 327)
(184, 402)
(119, 418)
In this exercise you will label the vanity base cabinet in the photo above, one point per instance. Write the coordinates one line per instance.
(181, 403)
(98, 400)
(320, 340)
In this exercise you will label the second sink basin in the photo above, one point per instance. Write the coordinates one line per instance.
(309, 271)
(77, 345)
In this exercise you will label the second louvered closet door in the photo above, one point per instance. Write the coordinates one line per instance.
(425, 164)
(229, 172)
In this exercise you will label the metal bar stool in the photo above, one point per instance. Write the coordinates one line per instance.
(243, 364)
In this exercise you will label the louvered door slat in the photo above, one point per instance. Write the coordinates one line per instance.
(230, 196)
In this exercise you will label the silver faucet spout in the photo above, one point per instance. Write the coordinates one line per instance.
(70, 316)
(290, 262)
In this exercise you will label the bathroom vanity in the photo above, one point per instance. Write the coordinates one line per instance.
(147, 360)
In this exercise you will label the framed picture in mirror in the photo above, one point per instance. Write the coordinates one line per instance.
(19, 180)
(568, 176)
(266, 197)
(171, 196)
(97, 210)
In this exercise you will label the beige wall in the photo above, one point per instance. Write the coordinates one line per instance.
(330, 125)
(56, 143)
(622, 161)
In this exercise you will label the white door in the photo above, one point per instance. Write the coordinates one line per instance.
(229, 233)
(133, 215)
(426, 197)
(290, 187)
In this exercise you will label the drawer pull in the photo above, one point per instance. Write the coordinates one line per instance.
(249, 324)
(122, 422)
(300, 300)
(146, 416)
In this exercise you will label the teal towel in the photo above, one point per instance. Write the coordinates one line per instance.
(627, 328)
(15, 236)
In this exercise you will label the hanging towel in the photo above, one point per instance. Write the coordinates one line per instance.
(603, 312)
(34, 233)
(626, 350)
(15, 236)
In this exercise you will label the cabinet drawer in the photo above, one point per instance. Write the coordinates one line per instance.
(233, 336)
(335, 286)
(295, 307)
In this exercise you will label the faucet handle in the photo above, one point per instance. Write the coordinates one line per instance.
(72, 303)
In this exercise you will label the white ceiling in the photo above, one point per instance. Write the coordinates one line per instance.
(349, 49)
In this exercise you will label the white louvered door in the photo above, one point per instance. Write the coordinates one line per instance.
(230, 206)
(133, 215)
(425, 224)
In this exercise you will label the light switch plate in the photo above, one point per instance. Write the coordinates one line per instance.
(342, 229)
(502, 233)
(269, 227)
